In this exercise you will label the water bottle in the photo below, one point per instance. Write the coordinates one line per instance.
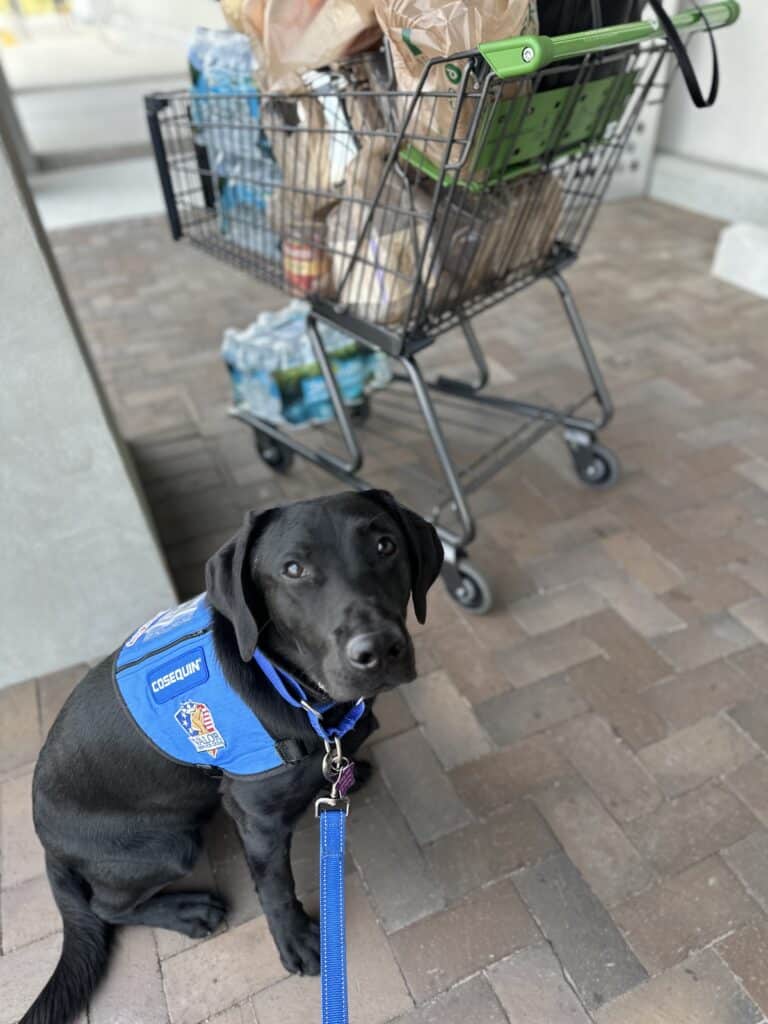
(242, 206)
(267, 391)
(251, 369)
(290, 377)
(230, 350)
(379, 369)
(228, 73)
(198, 47)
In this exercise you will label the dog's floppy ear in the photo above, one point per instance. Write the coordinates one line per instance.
(425, 550)
(230, 587)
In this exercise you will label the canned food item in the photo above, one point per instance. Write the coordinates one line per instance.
(306, 267)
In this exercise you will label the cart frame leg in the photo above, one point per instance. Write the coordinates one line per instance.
(339, 408)
(601, 393)
(580, 426)
(454, 543)
(478, 358)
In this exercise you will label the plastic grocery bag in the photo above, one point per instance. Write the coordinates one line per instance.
(420, 30)
(294, 36)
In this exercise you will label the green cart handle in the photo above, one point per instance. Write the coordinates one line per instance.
(524, 55)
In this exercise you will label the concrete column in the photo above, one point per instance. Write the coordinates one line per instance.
(80, 566)
(11, 126)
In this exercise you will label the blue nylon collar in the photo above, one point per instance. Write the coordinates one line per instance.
(283, 682)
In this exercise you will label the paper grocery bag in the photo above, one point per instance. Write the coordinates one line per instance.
(290, 37)
(483, 238)
(376, 259)
(420, 30)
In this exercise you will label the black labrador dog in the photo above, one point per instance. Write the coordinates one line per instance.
(322, 587)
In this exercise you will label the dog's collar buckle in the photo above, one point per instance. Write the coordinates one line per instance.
(283, 683)
(310, 710)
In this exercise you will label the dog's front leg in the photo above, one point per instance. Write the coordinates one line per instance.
(266, 841)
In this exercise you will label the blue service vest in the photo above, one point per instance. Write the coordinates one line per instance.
(171, 683)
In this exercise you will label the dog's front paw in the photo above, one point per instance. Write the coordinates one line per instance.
(298, 942)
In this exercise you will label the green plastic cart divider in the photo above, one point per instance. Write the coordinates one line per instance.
(524, 55)
(516, 133)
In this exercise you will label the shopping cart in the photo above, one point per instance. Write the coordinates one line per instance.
(402, 215)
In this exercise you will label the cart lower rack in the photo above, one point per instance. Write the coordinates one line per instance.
(401, 215)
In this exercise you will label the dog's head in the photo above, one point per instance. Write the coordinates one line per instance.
(325, 584)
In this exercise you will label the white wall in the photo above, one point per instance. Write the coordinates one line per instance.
(720, 155)
(735, 131)
(79, 564)
(179, 15)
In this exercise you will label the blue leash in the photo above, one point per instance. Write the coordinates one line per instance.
(332, 811)
(333, 941)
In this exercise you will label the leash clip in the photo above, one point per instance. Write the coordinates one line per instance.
(332, 803)
(340, 772)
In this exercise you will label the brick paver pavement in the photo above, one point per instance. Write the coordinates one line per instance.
(570, 818)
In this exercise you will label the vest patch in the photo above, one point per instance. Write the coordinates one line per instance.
(178, 675)
(196, 720)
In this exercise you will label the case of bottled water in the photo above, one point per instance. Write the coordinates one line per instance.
(224, 105)
(275, 375)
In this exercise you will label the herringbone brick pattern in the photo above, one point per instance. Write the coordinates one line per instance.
(570, 818)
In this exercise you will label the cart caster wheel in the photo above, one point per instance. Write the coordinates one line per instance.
(360, 412)
(472, 592)
(596, 466)
(277, 456)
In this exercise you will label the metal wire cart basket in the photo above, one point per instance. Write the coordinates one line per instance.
(400, 215)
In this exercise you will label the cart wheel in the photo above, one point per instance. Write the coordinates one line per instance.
(361, 410)
(277, 456)
(596, 466)
(473, 592)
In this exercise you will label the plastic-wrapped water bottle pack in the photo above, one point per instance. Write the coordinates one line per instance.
(276, 377)
(225, 104)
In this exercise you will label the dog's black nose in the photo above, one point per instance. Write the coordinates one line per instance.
(374, 650)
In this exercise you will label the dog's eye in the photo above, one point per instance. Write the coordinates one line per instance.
(293, 570)
(386, 546)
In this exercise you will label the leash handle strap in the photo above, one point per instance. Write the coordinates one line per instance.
(684, 61)
(333, 940)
